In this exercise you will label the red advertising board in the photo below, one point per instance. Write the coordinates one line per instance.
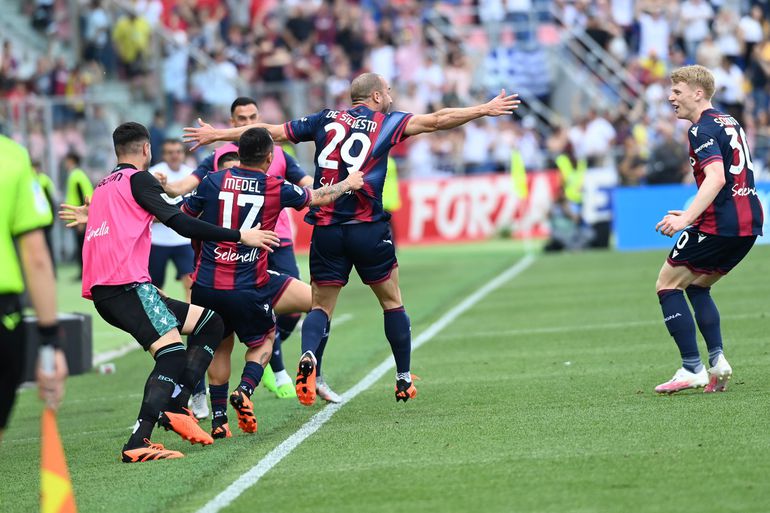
(464, 209)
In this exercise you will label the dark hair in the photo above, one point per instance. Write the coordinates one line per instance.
(240, 102)
(230, 155)
(129, 137)
(254, 146)
(74, 157)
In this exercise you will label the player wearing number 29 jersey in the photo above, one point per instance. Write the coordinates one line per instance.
(357, 139)
(718, 229)
(353, 232)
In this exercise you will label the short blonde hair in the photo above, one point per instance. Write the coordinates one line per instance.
(695, 76)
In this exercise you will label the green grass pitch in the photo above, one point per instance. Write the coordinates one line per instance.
(537, 399)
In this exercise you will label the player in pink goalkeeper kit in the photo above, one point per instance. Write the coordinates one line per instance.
(116, 277)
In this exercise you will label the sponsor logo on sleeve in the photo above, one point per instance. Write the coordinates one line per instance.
(703, 146)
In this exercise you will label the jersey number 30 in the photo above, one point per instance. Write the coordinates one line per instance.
(256, 201)
(354, 162)
(744, 158)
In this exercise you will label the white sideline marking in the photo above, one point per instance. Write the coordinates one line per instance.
(255, 473)
(581, 327)
(106, 356)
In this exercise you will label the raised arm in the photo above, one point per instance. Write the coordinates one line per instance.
(445, 119)
(207, 134)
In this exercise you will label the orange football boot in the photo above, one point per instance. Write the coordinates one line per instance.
(149, 452)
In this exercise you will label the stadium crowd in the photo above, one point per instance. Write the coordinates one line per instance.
(443, 53)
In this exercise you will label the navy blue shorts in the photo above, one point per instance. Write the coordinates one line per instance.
(182, 256)
(335, 249)
(247, 312)
(703, 253)
(282, 260)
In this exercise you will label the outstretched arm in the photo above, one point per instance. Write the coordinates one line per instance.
(445, 119)
(207, 134)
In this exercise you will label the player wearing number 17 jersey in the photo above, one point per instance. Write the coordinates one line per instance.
(235, 280)
(353, 232)
(720, 227)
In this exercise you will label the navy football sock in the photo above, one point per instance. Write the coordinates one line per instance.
(200, 387)
(319, 355)
(252, 375)
(313, 329)
(218, 395)
(284, 327)
(680, 324)
(399, 333)
(707, 317)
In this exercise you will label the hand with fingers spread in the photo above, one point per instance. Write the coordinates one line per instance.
(502, 104)
(201, 135)
(76, 215)
(673, 222)
(262, 239)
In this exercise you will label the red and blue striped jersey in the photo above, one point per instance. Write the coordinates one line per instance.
(239, 198)
(736, 211)
(357, 139)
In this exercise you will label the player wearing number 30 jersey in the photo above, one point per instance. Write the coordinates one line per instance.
(353, 231)
(720, 227)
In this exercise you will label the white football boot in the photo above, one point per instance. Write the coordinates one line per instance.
(719, 375)
(199, 405)
(682, 380)
(325, 392)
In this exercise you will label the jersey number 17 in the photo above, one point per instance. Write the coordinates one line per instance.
(256, 201)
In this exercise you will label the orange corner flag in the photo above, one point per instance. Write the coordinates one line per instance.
(55, 486)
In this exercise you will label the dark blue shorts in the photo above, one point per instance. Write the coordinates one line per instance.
(182, 256)
(282, 260)
(247, 312)
(335, 249)
(703, 253)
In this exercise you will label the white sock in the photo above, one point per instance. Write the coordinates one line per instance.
(282, 378)
(406, 376)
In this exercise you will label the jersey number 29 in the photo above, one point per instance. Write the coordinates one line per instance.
(353, 161)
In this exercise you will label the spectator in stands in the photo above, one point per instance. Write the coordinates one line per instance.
(98, 43)
(725, 28)
(695, 17)
(654, 33)
(728, 80)
(709, 53)
(131, 36)
(668, 158)
(632, 168)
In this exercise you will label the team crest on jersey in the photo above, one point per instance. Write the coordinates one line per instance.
(694, 131)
